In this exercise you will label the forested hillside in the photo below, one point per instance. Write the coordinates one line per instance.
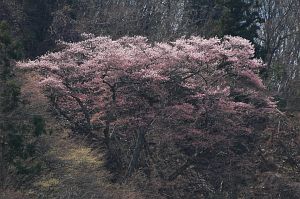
(149, 99)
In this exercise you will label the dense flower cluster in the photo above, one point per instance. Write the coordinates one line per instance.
(199, 91)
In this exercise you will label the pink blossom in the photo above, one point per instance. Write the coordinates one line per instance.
(196, 88)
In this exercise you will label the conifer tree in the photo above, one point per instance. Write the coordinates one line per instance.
(9, 92)
(239, 19)
(224, 17)
(15, 128)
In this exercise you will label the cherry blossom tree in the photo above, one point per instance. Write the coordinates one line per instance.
(200, 94)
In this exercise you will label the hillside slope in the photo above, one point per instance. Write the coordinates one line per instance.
(70, 168)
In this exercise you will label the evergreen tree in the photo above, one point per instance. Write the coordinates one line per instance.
(239, 19)
(9, 92)
(224, 17)
(16, 130)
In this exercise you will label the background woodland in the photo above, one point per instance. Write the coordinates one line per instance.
(252, 150)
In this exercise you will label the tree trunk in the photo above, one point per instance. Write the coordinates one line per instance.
(136, 153)
(106, 135)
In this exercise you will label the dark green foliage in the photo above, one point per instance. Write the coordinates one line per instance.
(18, 132)
(33, 169)
(9, 50)
(239, 19)
(35, 27)
(10, 96)
(15, 142)
(39, 125)
(224, 17)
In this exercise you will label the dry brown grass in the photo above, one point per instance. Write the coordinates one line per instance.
(73, 170)
(10, 194)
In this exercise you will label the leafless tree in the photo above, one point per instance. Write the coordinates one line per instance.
(280, 35)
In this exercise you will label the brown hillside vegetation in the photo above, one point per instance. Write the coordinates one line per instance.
(73, 168)
(70, 167)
